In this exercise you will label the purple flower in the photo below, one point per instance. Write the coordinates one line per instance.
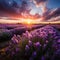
(27, 48)
(17, 49)
(55, 37)
(12, 53)
(42, 58)
(43, 34)
(58, 40)
(18, 37)
(37, 44)
(15, 41)
(29, 36)
(30, 43)
(34, 54)
(24, 35)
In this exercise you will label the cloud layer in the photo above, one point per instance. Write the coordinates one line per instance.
(13, 8)
(52, 13)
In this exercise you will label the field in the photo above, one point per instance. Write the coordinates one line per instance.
(35, 42)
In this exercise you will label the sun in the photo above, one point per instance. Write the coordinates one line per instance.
(28, 22)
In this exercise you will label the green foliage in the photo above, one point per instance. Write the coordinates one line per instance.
(4, 36)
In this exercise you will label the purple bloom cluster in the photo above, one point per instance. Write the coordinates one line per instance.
(39, 44)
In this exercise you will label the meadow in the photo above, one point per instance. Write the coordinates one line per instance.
(39, 42)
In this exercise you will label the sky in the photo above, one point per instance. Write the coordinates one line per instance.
(42, 10)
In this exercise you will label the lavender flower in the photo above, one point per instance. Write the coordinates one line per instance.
(30, 43)
(12, 53)
(17, 49)
(42, 58)
(58, 41)
(27, 48)
(37, 44)
(34, 54)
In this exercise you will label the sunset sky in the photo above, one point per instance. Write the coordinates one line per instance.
(41, 10)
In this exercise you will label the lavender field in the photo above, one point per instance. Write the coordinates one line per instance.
(40, 42)
(29, 29)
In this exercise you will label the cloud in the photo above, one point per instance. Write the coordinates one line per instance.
(13, 8)
(49, 15)
(55, 12)
(42, 4)
(39, 2)
(55, 19)
(9, 8)
(52, 13)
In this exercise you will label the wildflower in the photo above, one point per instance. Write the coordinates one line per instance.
(17, 49)
(37, 44)
(42, 58)
(30, 43)
(12, 53)
(34, 54)
(27, 48)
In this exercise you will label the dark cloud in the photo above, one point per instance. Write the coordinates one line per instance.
(55, 12)
(8, 6)
(11, 7)
(55, 19)
(51, 13)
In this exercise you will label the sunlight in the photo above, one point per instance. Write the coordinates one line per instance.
(27, 21)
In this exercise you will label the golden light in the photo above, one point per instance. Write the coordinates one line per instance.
(27, 22)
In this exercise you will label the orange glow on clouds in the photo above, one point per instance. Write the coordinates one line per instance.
(27, 21)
